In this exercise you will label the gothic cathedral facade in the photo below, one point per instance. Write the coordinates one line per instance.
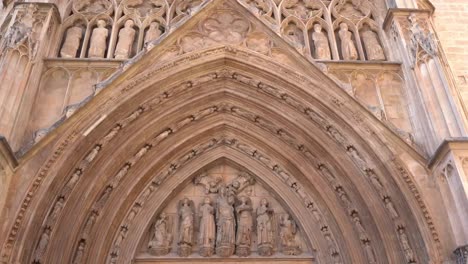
(241, 131)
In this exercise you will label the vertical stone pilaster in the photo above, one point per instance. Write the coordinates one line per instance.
(8, 163)
(27, 41)
(450, 174)
(436, 111)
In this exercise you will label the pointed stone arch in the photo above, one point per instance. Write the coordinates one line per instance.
(149, 114)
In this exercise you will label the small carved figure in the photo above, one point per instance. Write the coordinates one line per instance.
(348, 49)
(264, 229)
(371, 44)
(369, 252)
(72, 42)
(322, 48)
(89, 224)
(405, 244)
(206, 239)
(160, 244)
(357, 222)
(288, 231)
(390, 207)
(209, 182)
(153, 32)
(79, 253)
(93, 153)
(225, 223)
(294, 34)
(244, 226)
(56, 211)
(98, 42)
(185, 241)
(42, 246)
(124, 46)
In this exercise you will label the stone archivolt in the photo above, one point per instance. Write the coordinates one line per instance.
(308, 147)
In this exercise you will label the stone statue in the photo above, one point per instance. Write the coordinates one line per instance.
(98, 42)
(348, 49)
(160, 244)
(288, 231)
(79, 253)
(322, 48)
(72, 42)
(371, 44)
(185, 240)
(124, 46)
(405, 244)
(154, 32)
(244, 226)
(264, 229)
(294, 34)
(42, 246)
(225, 223)
(206, 239)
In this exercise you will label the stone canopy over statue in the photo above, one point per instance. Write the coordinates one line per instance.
(226, 219)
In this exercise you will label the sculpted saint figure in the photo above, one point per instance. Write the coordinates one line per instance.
(162, 238)
(72, 42)
(125, 44)
(244, 226)
(41, 247)
(98, 42)
(288, 236)
(264, 229)
(153, 32)
(322, 49)
(185, 240)
(226, 224)
(348, 49)
(371, 43)
(206, 239)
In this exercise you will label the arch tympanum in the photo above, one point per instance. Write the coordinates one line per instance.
(128, 153)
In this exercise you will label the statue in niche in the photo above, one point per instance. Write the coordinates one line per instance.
(264, 229)
(206, 239)
(348, 49)
(288, 231)
(185, 241)
(405, 244)
(225, 223)
(244, 226)
(371, 44)
(79, 253)
(42, 246)
(98, 42)
(72, 42)
(123, 49)
(154, 32)
(160, 244)
(322, 48)
(294, 34)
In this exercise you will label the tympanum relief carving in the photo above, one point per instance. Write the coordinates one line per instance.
(224, 212)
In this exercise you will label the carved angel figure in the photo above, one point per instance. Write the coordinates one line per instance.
(288, 231)
(322, 48)
(371, 44)
(206, 239)
(162, 238)
(185, 239)
(264, 229)
(244, 226)
(72, 42)
(98, 43)
(226, 28)
(302, 9)
(123, 49)
(348, 49)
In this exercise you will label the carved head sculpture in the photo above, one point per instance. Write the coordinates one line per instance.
(264, 202)
(101, 23)
(344, 26)
(129, 23)
(207, 200)
(163, 215)
(317, 27)
(186, 202)
(154, 25)
(236, 184)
